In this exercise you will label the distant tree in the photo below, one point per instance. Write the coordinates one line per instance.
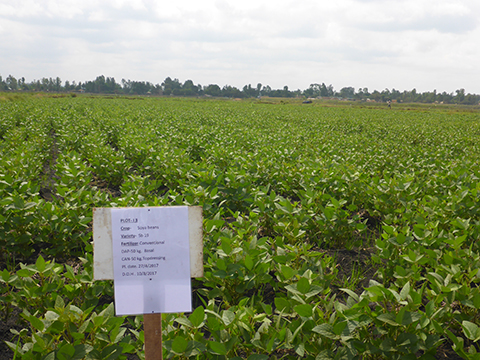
(445, 98)
(213, 90)
(189, 88)
(249, 91)
(12, 83)
(414, 95)
(313, 90)
(43, 84)
(282, 92)
(395, 94)
(52, 84)
(58, 84)
(259, 89)
(347, 92)
(104, 84)
(410, 96)
(140, 87)
(362, 94)
(75, 86)
(157, 89)
(330, 90)
(111, 86)
(323, 90)
(471, 99)
(126, 86)
(21, 84)
(376, 95)
(200, 90)
(385, 95)
(308, 92)
(458, 99)
(286, 92)
(35, 85)
(266, 90)
(99, 84)
(231, 92)
(170, 85)
(428, 97)
(89, 87)
(3, 84)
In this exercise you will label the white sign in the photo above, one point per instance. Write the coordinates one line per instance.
(151, 260)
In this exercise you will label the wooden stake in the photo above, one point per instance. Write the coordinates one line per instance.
(152, 326)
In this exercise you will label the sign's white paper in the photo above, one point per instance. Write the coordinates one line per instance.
(151, 260)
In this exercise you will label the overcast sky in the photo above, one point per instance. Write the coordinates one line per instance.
(378, 44)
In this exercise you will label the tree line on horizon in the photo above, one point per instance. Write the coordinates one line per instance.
(173, 87)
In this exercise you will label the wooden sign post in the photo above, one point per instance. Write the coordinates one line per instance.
(152, 327)
(151, 254)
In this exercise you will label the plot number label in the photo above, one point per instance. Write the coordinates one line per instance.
(151, 260)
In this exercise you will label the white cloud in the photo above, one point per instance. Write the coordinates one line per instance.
(425, 44)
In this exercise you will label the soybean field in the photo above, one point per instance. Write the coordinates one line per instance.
(331, 231)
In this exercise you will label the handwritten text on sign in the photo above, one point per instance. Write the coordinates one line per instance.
(151, 260)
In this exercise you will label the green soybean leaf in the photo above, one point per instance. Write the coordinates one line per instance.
(303, 285)
(52, 316)
(228, 316)
(197, 317)
(81, 351)
(109, 311)
(410, 317)
(24, 272)
(257, 357)
(217, 348)
(424, 321)
(300, 350)
(221, 264)
(400, 315)
(59, 303)
(111, 352)
(351, 293)
(5, 275)
(184, 321)
(16, 348)
(461, 224)
(40, 264)
(304, 310)
(36, 323)
(338, 328)
(248, 262)
(387, 345)
(471, 330)
(388, 318)
(50, 356)
(325, 330)
(325, 355)
(476, 301)
(287, 272)
(282, 304)
(179, 345)
(213, 324)
(68, 350)
(226, 246)
(120, 335)
(405, 291)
